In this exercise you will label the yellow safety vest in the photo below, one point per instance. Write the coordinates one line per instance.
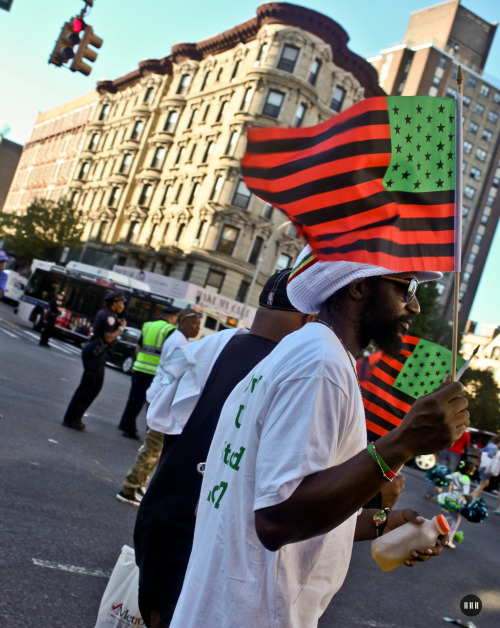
(154, 334)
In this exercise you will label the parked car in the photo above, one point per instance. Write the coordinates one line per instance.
(123, 355)
(14, 288)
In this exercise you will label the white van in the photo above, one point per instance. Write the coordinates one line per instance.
(14, 288)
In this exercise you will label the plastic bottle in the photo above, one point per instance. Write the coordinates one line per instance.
(393, 548)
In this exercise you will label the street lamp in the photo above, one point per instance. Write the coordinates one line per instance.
(272, 237)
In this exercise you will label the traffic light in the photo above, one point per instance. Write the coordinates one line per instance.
(68, 39)
(84, 52)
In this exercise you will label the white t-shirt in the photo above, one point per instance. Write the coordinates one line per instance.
(175, 339)
(299, 412)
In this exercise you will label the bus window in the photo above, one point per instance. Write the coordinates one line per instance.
(41, 286)
(210, 322)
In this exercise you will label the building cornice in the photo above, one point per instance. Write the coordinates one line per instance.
(272, 13)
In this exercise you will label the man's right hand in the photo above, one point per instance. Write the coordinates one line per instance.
(435, 421)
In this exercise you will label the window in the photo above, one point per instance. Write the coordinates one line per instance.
(288, 58)
(496, 97)
(484, 90)
(479, 109)
(148, 96)
(487, 135)
(205, 113)
(493, 116)
(231, 145)
(473, 127)
(268, 211)
(260, 53)
(314, 71)
(221, 111)
(442, 62)
(167, 191)
(179, 192)
(188, 269)
(137, 130)
(481, 154)
(490, 201)
(450, 92)
(337, 98)
(216, 188)
(484, 219)
(235, 69)
(466, 100)
(183, 84)
(214, 279)
(242, 195)
(469, 191)
(478, 238)
(192, 151)
(465, 211)
(256, 249)
(84, 170)
(247, 99)
(145, 196)
(200, 229)
(180, 229)
(208, 150)
(495, 354)
(472, 258)
(94, 141)
(475, 173)
(191, 118)
(242, 291)
(299, 115)
(179, 157)
(467, 147)
(101, 234)
(104, 112)
(113, 197)
(227, 240)
(273, 103)
(219, 74)
(495, 182)
(205, 80)
(436, 80)
(133, 231)
(158, 157)
(171, 121)
(284, 261)
(471, 82)
(193, 194)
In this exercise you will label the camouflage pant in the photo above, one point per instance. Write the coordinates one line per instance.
(145, 463)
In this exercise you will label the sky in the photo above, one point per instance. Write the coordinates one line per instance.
(133, 31)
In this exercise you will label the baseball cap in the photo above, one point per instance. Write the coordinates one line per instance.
(274, 295)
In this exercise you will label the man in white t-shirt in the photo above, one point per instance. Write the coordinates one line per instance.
(289, 469)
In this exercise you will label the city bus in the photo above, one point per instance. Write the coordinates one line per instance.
(84, 288)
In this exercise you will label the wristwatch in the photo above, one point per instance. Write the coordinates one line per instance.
(380, 519)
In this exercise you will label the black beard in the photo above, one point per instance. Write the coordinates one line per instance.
(377, 326)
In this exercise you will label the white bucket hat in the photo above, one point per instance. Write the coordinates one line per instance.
(312, 282)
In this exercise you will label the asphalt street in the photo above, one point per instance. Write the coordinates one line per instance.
(62, 529)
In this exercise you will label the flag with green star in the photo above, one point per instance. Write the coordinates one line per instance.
(425, 369)
(375, 184)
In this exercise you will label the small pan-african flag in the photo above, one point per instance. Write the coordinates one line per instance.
(374, 184)
(392, 384)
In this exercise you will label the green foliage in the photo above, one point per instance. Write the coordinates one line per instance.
(44, 227)
(430, 324)
(484, 400)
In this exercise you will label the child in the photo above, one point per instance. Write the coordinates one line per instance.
(457, 496)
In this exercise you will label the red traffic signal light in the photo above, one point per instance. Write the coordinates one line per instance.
(68, 38)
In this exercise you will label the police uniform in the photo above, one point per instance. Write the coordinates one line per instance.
(154, 334)
(94, 355)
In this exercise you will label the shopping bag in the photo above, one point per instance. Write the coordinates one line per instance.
(119, 605)
(484, 461)
(493, 467)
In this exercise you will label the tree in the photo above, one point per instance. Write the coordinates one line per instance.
(430, 324)
(44, 227)
(484, 400)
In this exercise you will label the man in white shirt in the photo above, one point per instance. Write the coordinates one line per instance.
(289, 468)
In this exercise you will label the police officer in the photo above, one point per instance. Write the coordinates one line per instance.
(148, 352)
(107, 328)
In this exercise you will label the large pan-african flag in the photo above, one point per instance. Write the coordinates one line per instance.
(374, 184)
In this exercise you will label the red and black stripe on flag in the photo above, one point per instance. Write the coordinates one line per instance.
(374, 184)
(385, 406)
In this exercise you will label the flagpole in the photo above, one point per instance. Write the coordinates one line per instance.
(458, 214)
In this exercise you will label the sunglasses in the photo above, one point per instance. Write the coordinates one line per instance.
(411, 286)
